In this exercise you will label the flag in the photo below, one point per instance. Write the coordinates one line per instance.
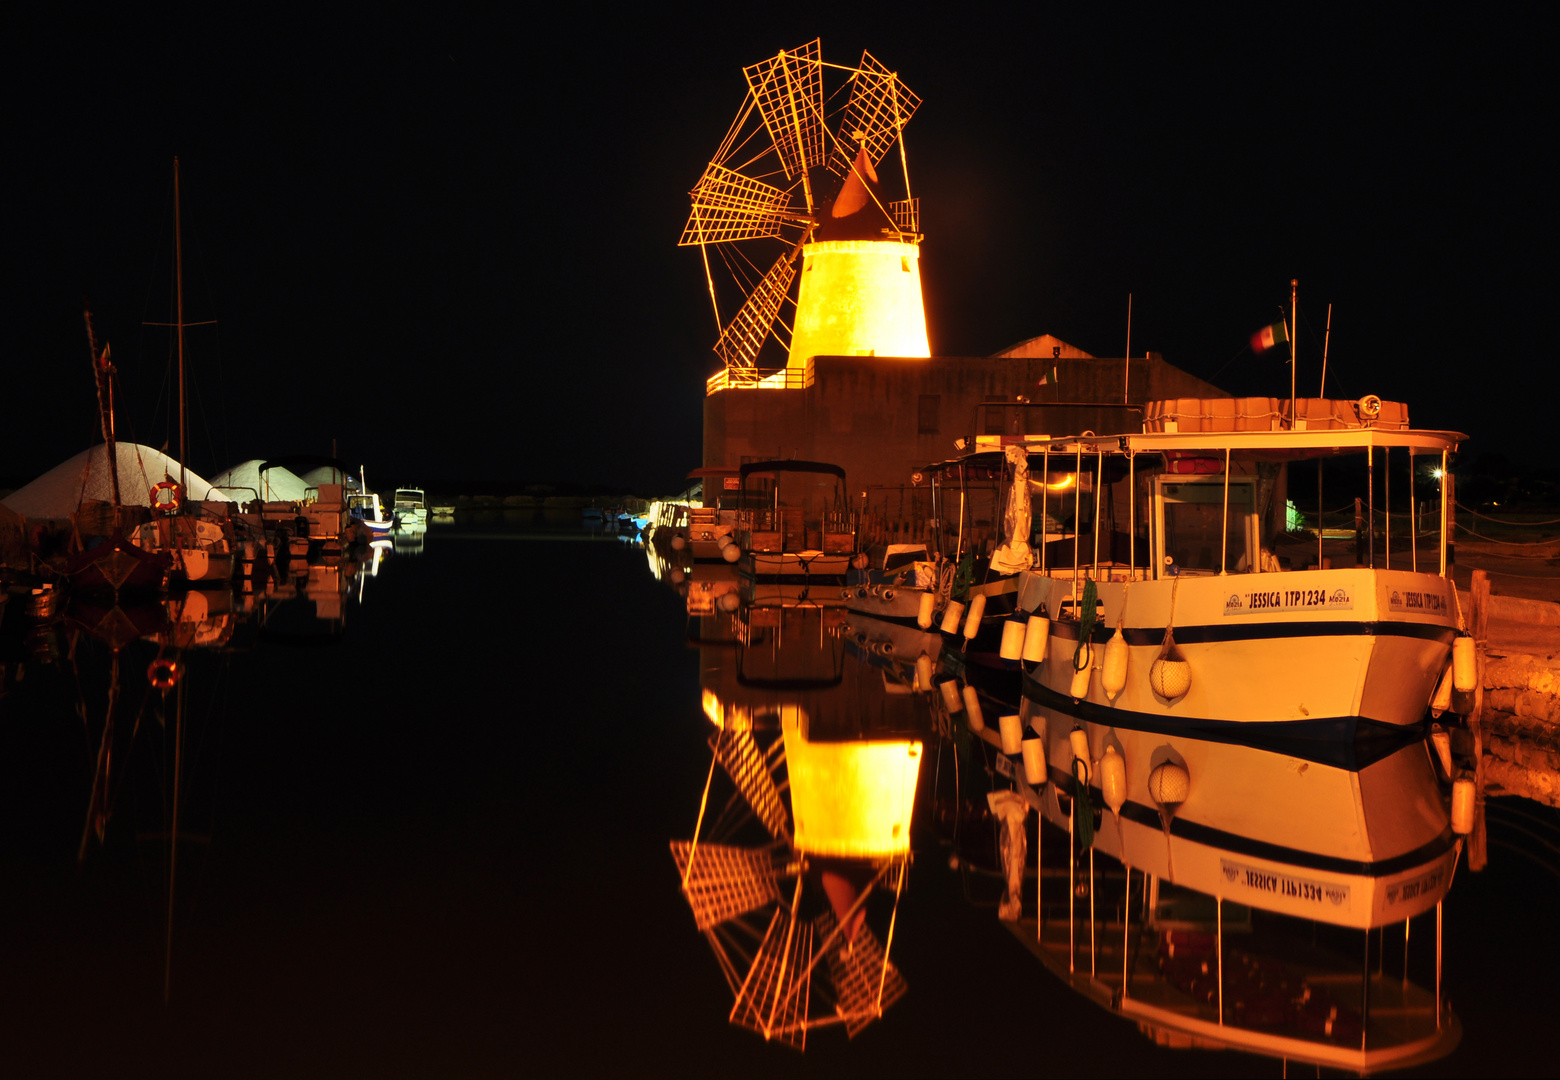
(1268, 336)
(1048, 378)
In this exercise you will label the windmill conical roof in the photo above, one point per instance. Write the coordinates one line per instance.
(59, 492)
(858, 210)
(276, 484)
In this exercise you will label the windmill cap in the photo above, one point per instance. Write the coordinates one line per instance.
(858, 211)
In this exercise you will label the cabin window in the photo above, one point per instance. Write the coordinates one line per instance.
(996, 420)
(1191, 515)
(927, 419)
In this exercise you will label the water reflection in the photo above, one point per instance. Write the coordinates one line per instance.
(1247, 889)
(141, 672)
(1255, 900)
(799, 855)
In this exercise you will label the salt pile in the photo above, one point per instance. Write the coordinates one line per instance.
(275, 484)
(60, 492)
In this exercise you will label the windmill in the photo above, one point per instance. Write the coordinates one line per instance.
(749, 899)
(793, 191)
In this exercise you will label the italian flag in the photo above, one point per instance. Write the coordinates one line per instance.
(1268, 336)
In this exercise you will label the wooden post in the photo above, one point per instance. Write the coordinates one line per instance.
(1479, 596)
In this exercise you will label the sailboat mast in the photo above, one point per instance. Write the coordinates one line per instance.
(102, 374)
(178, 274)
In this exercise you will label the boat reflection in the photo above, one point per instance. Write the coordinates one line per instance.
(1225, 895)
(133, 668)
(800, 852)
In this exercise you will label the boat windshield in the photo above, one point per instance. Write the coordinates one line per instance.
(1194, 517)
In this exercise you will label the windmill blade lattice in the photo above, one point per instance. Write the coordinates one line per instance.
(728, 206)
(788, 92)
(725, 882)
(741, 340)
(880, 106)
(748, 768)
(774, 999)
(859, 970)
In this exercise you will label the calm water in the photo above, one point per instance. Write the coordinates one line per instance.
(436, 845)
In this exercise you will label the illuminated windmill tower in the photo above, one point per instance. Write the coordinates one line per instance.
(791, 175)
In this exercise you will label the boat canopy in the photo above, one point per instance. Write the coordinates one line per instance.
(791, 466)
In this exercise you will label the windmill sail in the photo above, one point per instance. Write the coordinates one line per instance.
(880, 106)
(740, 342)
(728, 206)
(725, 881)
(774, 998)
(865, 983)
(742, 759)
(788, 92)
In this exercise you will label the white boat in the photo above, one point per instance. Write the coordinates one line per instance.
(411, 507)
(1182, 546)
(367, 512)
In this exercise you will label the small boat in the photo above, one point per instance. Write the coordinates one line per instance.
(365, 509)
(367, 512)
(795, 522)
(411, 507)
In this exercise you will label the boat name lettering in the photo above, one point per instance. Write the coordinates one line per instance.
(1262, 601)
(1408, 890)
(1270, 881)
(1428, 603)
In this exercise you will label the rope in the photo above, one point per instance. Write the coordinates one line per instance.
(1084, 654)
(1504, 521)
(1509, 543)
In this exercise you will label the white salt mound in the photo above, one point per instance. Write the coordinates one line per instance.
(60, 492)
(276, 484)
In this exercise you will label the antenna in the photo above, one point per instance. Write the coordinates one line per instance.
(1294, 345)
(1126, 377)
(1326, 340)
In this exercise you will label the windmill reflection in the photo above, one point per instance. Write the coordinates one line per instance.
(794, 873)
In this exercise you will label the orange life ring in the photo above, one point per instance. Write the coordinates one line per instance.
(175, 496)
(163, 673)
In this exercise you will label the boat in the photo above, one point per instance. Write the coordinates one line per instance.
(795, 522)
(367, 512)
(104, 557)
(411, 507)
(365, 509)
(1184, 598)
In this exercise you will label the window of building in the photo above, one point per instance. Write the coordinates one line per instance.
(927, 421)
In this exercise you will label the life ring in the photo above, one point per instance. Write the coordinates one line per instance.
(163, 673)
(175, 496)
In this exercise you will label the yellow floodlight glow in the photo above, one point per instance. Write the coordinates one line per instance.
(1064, 483)
(851, 799)
(859, 298)
(735, 717)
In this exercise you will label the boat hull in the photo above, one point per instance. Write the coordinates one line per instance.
(1307, 646)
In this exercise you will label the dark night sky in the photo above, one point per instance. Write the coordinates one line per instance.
(448, 243)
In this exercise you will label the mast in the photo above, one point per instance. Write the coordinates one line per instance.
(102, 375)
(178, 272)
